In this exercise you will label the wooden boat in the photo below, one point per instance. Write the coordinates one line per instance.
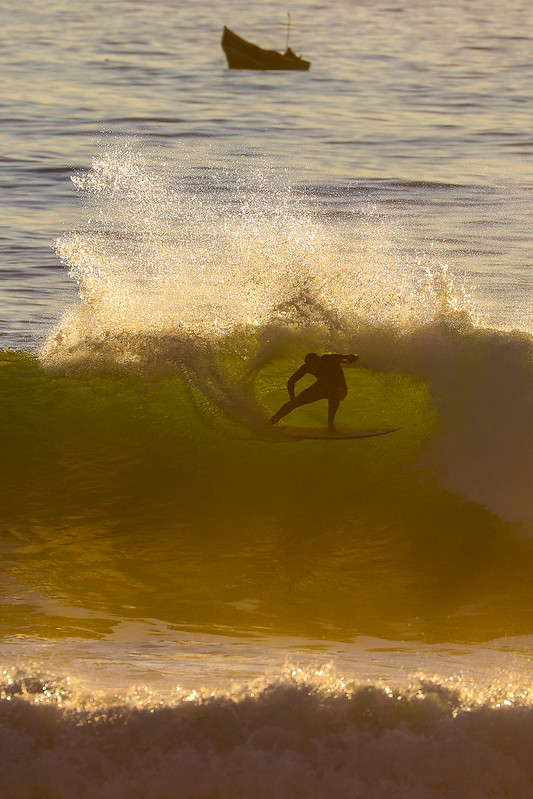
(245, 55)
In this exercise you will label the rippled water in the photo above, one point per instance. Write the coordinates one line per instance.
(421, 109)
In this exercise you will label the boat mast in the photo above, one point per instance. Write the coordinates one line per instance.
(288, 29)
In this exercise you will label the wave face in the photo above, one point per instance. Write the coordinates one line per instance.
(146, 412)
(301, 734)
(218, 291)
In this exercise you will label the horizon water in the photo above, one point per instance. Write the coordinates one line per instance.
(192, 606)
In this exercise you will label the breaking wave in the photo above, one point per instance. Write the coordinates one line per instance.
(230, 287)
(143, 422)
(301, 733)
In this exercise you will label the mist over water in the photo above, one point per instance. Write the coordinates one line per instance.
(158, 254)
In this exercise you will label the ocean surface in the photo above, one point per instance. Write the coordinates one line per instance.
(191, 605)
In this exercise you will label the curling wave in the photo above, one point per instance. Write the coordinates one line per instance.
(219, 292)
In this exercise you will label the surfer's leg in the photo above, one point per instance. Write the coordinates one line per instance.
(311, 394)
(283, 411)
(333, 406)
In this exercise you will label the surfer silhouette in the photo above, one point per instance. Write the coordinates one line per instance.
(330, 384)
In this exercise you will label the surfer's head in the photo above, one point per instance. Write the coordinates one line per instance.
(311, 358)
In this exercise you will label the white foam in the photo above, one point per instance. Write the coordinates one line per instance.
(303, 733)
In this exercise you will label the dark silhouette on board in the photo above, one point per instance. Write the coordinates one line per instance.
(330, 384)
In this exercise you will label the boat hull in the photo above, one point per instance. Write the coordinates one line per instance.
(241, 54)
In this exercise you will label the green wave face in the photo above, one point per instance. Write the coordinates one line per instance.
(140, 495)
(98, 438)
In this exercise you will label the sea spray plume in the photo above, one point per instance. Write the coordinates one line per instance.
(155, 255)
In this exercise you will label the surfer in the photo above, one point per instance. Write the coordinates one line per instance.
(330, 384)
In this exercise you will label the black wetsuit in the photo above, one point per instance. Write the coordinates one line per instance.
(330, 380)
(330, 384)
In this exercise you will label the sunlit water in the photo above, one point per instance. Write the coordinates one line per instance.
(190, 605)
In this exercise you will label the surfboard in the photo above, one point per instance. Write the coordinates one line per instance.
(320, 434)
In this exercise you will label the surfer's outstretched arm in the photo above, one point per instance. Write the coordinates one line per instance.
(347, 358)
(293, 401)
